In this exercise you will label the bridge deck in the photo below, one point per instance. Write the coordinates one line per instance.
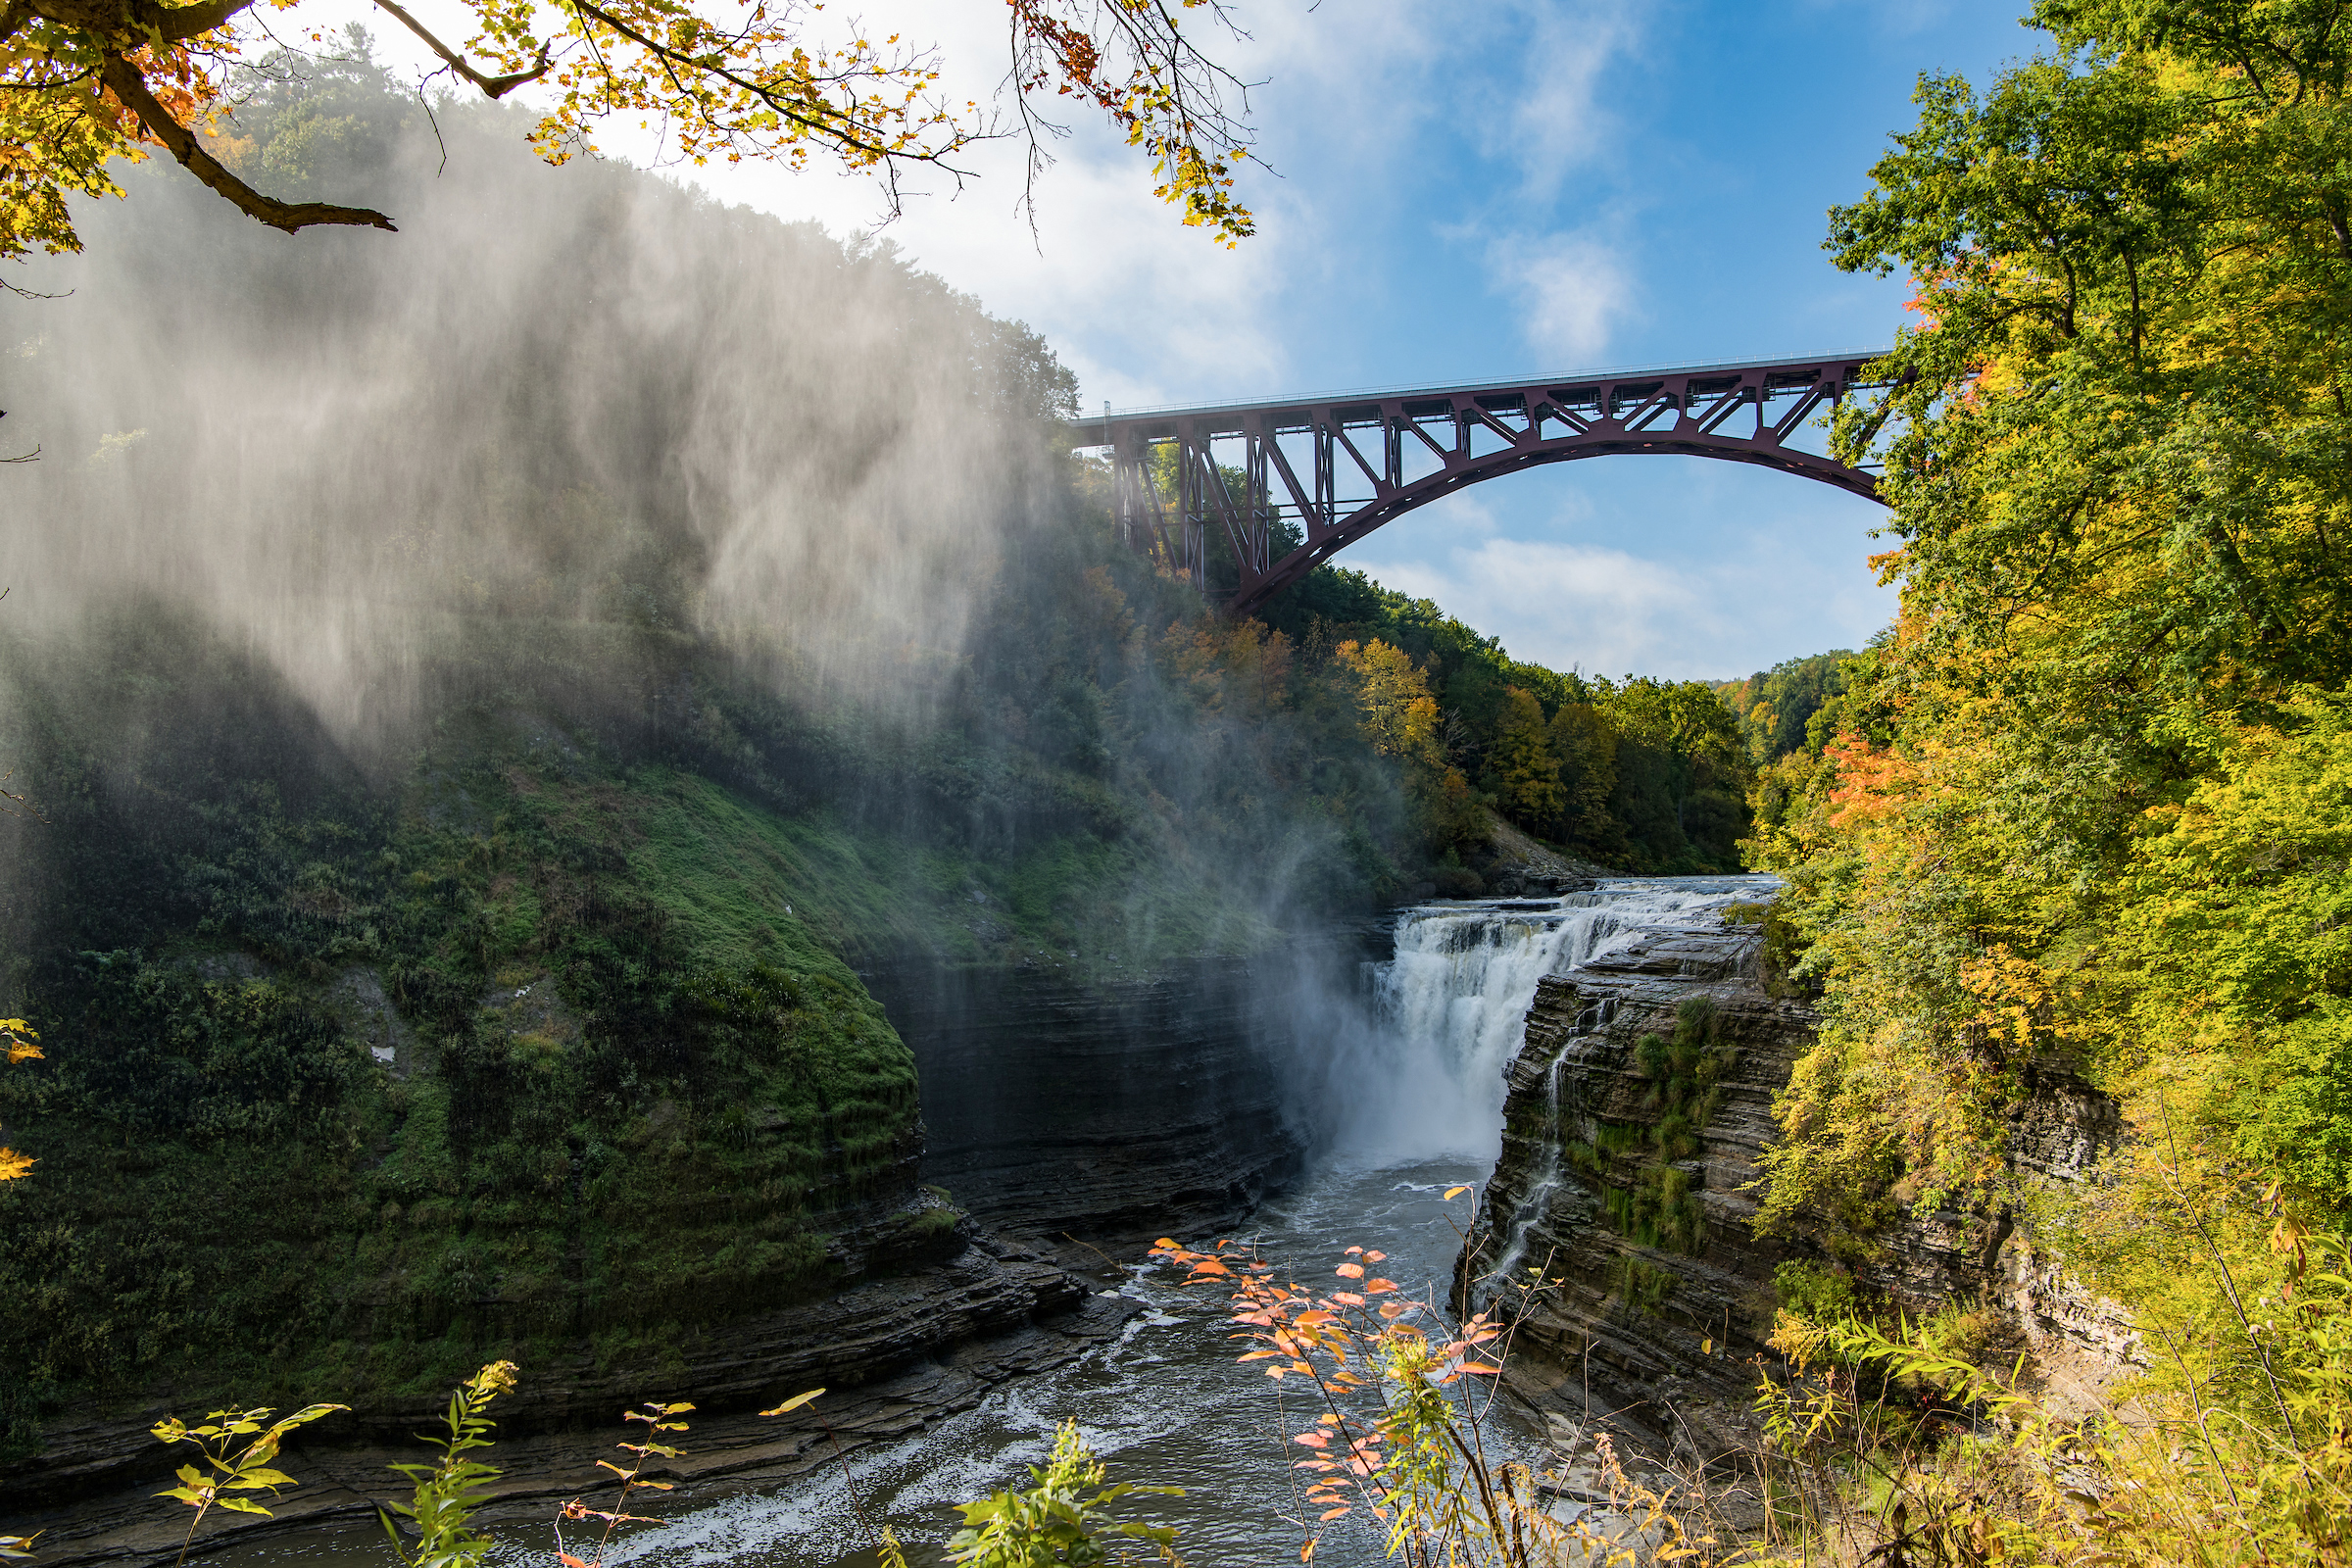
(1356, 450)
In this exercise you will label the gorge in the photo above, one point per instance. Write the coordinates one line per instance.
(1324, 1095)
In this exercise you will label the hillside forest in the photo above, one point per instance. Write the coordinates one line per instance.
(588, 864)
(2082, 815)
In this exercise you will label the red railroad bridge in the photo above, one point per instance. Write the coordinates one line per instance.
(1318, 473)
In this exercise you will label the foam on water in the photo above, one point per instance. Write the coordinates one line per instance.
(1423, 1077)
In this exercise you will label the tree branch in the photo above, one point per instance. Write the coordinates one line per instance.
(492, 86)
(129, 88)
(812, 114)
(174, 23)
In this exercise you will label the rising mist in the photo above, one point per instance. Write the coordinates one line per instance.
(557, 393)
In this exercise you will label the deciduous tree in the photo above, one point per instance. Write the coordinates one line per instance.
(85, 83)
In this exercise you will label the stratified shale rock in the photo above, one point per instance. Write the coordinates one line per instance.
(1097, 1106)
(1654, 1325)
(898, 1353)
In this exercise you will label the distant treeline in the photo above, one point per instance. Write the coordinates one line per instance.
(1636, 773)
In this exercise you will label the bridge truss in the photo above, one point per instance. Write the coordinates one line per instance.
(1318, 474)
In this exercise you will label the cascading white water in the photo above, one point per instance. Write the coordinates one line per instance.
(1424, 1072)
(1543, 1184)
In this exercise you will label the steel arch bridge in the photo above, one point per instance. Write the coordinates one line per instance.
(1335, 468)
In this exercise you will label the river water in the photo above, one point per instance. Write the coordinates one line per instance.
(1405, 1079)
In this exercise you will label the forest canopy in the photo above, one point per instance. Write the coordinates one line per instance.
(2080, 817)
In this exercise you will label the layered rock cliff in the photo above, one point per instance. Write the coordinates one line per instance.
(1090, 1106)
(1636, 1116)
(897, 1353)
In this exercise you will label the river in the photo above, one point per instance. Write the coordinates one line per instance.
(1410, 1095)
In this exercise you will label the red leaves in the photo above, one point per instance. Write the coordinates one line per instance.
(1312, 1440)
(1349, 1271)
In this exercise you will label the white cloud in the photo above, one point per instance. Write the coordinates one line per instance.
(1723, 578)
(1573, 292)
(1558, 120)
(1562, 605)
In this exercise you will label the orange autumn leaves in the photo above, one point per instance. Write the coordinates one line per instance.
(1374, 1368)
(20, 1042)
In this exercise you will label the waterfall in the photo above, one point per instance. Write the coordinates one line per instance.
(1420, 1076)
(1543, 1182)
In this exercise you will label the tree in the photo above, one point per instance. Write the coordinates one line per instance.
(1527, 772)
(86, 82)
(2085, 809)
(1586, 747)
(1400, 718)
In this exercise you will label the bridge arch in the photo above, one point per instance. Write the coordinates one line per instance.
(1328, 470)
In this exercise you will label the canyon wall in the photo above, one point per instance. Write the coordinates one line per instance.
(1057, 1104)
(1636, 1112)
(1063, 1105)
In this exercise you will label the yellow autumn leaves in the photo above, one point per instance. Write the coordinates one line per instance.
(20, 1042)
(1400, 716)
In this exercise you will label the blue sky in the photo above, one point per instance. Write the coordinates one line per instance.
(1518, 186)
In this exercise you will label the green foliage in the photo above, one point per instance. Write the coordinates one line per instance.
(1530, 786)
(449, 1494)
(1792, 706)
(2201, 1468)
(1813, 1292)
(2082, 815)
(1641, 774)
(228, 1467)
(2234, 929)
(1066, 1517)
(1637, 1285)
(1684, 1070)
(2115, 466)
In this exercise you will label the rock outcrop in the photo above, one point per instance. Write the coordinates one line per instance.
(1629, 1176)
(899, 1351)
(1096, 1106)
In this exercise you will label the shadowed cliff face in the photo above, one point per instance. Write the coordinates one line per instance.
(1636, 1112)
(1093, 1106)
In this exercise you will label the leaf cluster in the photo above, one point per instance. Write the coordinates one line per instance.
(452, 1491)
(1066, 1516)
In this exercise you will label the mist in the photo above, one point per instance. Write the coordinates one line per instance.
(558, 394)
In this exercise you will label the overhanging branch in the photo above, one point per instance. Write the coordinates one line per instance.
(129, 88)
(491, 86)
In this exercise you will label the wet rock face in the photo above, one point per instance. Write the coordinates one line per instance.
(1631, 1323)
(1103, 1109)
(1647, 1221)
